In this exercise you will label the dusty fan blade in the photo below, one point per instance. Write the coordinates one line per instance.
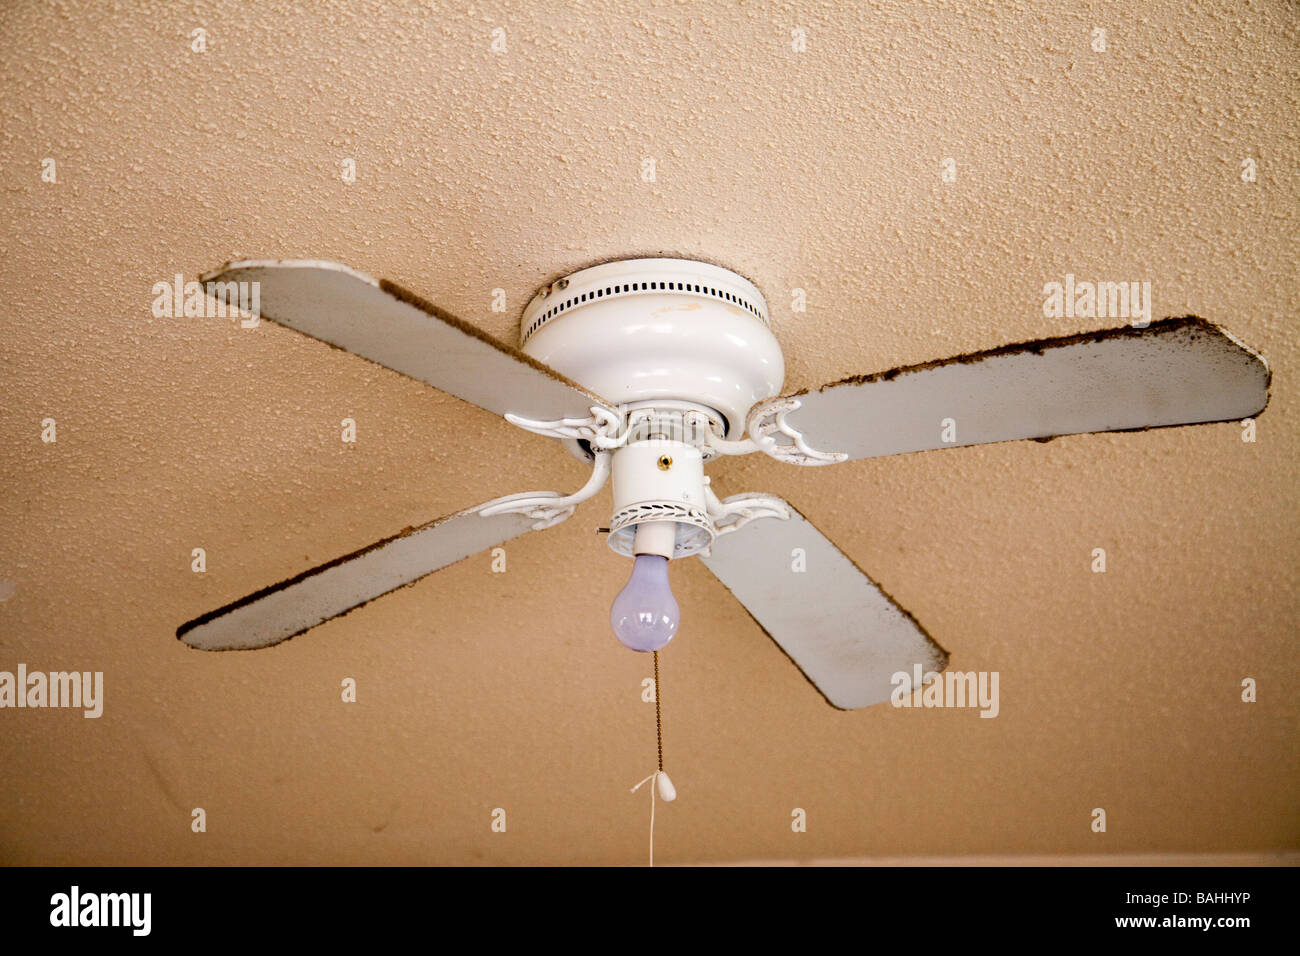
(386, 324)
(284, 610)
(1177, 371)
(847, 635)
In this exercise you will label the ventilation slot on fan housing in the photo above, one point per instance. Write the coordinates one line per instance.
(637, 288)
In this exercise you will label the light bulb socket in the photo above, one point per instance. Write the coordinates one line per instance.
(655, 537)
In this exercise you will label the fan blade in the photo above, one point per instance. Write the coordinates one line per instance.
(847, 635)
(386, 324)
(285, 610)
(1177, 371)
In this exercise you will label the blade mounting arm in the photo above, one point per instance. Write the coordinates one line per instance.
(549, 508)
(768, 420)
(600, 428)
(735, 512)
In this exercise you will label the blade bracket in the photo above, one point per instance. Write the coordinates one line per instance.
(768, 420)
(601, 429)
(739, 510)
(549, 508)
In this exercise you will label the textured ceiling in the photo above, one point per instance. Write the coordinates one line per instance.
(476, 170)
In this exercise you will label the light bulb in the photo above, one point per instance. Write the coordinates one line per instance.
(645, 613)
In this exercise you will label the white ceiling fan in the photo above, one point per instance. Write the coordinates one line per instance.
(650, 368)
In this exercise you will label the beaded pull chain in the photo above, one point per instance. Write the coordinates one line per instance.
(663, 785)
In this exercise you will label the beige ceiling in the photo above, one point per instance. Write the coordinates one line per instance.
(817, 170)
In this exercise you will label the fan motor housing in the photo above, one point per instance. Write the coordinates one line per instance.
(636, 330)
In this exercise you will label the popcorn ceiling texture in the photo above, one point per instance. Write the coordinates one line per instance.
(475, 171)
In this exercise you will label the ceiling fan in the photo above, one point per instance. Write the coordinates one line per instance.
(650, 368)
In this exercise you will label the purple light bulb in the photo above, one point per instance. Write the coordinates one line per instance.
(645, 613)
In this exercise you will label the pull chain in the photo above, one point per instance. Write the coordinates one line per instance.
(659, 718)
(662, 786)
